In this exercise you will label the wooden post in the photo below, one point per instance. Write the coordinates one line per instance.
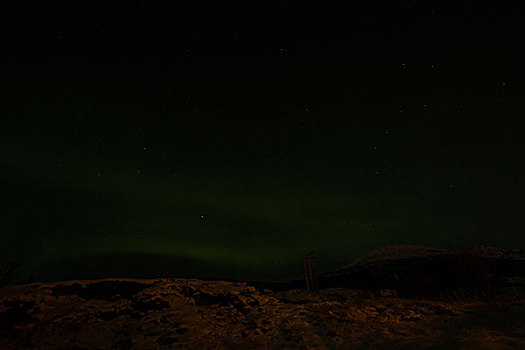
(309, 272)
(314, 273)
(516, 293)
(306, 275)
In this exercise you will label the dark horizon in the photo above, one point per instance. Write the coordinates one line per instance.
(234, 140)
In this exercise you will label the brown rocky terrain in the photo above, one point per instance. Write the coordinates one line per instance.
(196, 314)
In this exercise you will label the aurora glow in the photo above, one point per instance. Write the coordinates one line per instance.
(237, 147)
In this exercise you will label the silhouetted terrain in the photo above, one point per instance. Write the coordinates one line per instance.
(394, 297)
(416, 271)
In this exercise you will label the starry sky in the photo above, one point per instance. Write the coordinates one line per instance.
(199, 139)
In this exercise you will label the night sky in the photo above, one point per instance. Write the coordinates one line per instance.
(205, 139)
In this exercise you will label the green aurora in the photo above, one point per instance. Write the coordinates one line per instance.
(249, 231)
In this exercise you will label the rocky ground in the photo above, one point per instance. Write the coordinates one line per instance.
(195, 314)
